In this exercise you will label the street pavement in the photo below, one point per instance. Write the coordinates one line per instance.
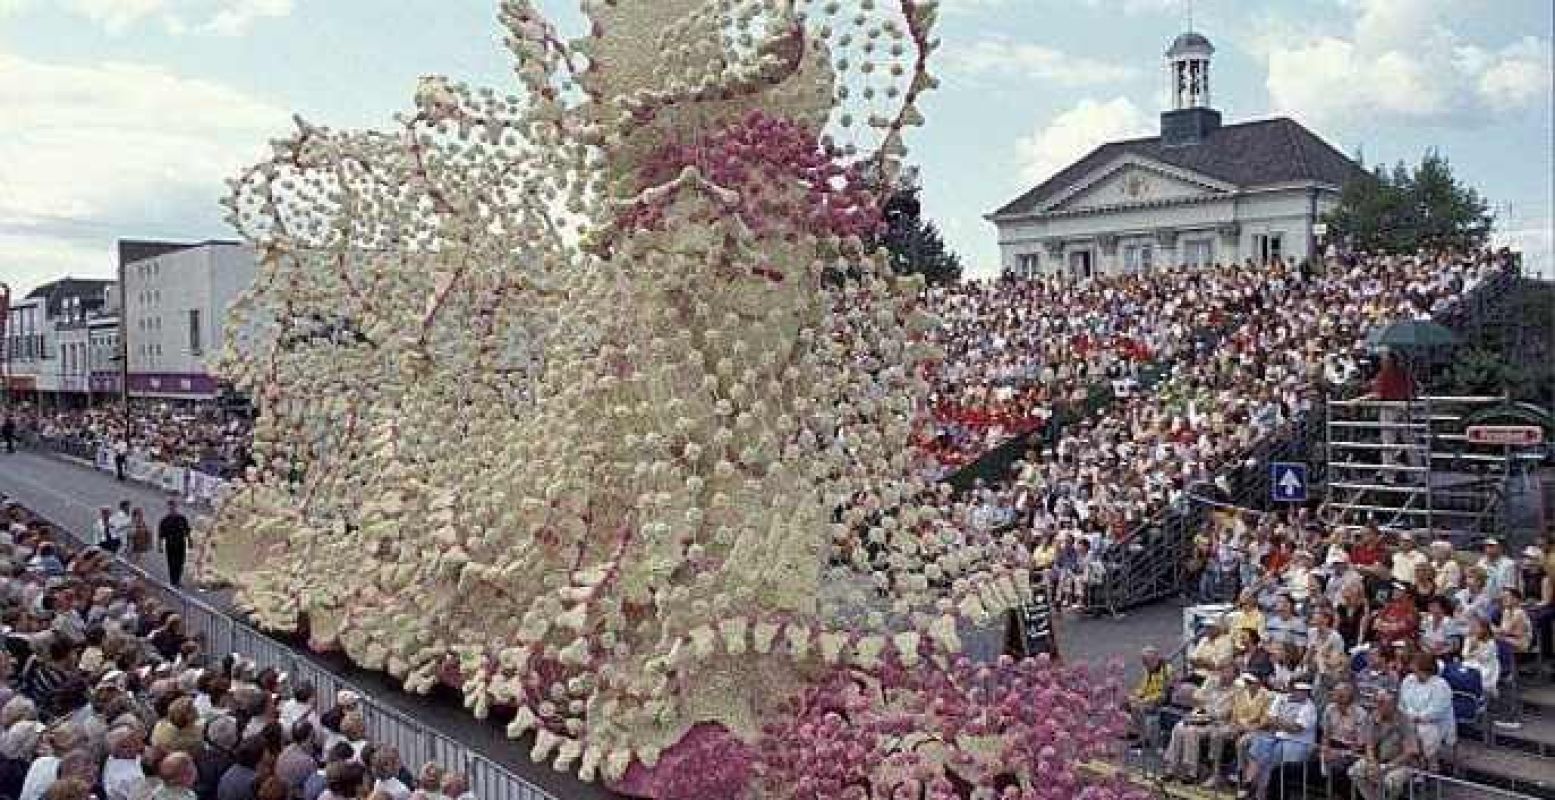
(69, 493)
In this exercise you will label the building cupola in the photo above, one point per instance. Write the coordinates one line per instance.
(1190, 119)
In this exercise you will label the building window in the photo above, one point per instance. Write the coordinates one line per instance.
(1137, 258)
(1026, 264)
(194, 331)
(1268, 246)
(1198, 252)
(1080, 264)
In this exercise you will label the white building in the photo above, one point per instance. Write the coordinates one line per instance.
(48, 356)
(27, 343)
(1199, 193)
(175, 307)
(102, 337)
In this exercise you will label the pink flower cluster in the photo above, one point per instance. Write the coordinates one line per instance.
(708, 763)
(1022, 730)
(788, 180)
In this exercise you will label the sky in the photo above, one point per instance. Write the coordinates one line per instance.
(122, 118)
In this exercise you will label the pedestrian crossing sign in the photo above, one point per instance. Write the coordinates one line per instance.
(1287, 482)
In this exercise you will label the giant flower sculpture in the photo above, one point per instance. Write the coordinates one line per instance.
(579, 398)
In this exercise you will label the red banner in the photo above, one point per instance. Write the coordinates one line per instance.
(1510, 435)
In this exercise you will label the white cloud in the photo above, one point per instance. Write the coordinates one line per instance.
(1530, 230)
(1076, 132)
(1133, 7)
(1391, 24)
(221, 17)
(958, 6)
(1517, 76)
(1401, 62)
(28, 261)
(1130, 7)
(1007, 58)
(236, 17)
(116, 16)
(89, 153)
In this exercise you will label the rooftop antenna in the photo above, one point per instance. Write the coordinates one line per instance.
(1190, 16)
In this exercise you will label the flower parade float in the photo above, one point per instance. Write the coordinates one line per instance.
(594, 401)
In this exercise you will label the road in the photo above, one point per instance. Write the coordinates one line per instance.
(70, 494)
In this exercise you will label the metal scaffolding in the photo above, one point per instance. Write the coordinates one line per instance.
(1408, 464)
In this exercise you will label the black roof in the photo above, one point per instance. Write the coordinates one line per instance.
(1189, 41)
(91, 291)
(133, 250)
(1245, 155)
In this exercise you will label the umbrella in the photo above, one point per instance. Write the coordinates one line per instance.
(1413, 334)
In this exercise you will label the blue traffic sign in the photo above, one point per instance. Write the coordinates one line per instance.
(1287, 482)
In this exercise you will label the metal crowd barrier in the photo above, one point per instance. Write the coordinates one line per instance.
(1432, 786)
(192, 484)
(72, 446)
(417, 743)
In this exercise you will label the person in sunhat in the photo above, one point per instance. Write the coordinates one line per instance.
(1500, 569)
(1449, 573)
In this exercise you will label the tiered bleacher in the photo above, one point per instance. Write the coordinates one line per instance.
(1286, 338)
(1357, 661)
(1016, 348)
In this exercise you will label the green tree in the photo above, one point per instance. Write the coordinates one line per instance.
(915, 245)
(1448, 213)
(1404, 210)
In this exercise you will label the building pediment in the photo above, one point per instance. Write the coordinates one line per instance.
(1134, 180)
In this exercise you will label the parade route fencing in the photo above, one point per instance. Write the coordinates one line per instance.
(417, 743)
(194, 486)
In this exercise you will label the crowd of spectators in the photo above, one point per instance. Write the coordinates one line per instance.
(196, 436)
(1015, 348)
(103, 693)
(1290, 337)
(1359, 649)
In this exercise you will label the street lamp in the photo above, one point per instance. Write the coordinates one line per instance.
(5, 346)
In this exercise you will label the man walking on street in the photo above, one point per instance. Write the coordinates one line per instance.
(8, 433)
(121, 454)
(173, 539)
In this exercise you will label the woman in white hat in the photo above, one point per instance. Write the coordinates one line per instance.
(1449, 573)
